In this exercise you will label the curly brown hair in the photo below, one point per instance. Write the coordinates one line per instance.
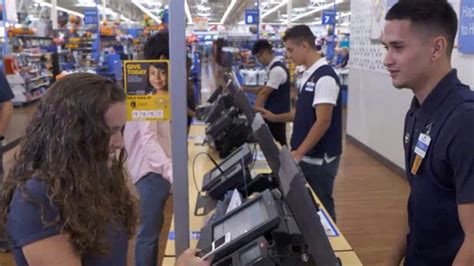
(67, 147)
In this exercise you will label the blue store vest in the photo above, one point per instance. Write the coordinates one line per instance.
(305, 117)
(278, 101)
(435, 234)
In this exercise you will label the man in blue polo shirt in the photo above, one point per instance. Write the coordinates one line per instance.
(316, 142)
(438, 138)
(6, 110)
(275, 95)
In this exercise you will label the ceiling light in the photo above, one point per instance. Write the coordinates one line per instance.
(204, 14)
(315, 3)
(188, 13)
(86, 3)
(203, 8)
(315, 10)
(273, 9)
(229, 8)
(42, 3)
(146, 11)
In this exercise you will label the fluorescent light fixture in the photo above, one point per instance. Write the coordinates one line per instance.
(145, 10)
(124, 18)
(275, 8)
(86, 3)
(188, 13)
(344, 15)
(227, 12)
(42, 3)
(317, 22)
(201, 7)
(318, 9)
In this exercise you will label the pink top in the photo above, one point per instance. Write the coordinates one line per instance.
(148, 144)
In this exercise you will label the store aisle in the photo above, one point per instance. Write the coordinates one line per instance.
(208, 84)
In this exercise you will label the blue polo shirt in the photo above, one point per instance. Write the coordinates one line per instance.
(24, 227)
(445, 177)
(6, 93)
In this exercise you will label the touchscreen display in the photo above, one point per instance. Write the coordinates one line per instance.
(243, 221)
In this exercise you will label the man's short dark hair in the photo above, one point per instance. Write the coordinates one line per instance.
(299, 34)
(156, 46)
(261, 45)
(433, 16)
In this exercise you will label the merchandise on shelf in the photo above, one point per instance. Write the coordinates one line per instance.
(29, 75)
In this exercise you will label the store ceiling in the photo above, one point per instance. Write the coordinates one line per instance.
(228, 12)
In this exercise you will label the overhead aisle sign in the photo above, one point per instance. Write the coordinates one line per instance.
(466, 27)
(91, 16)
(251, 16)
(329, 17)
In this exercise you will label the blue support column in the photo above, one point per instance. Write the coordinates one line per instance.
(96, 44)
(259, 19)
(5, 39)
(179, 125)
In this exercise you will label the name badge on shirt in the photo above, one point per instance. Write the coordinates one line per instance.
(421, 148)
(310, 86)
(422, 145)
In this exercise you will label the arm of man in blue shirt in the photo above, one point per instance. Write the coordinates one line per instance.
(284, 117)
(461, 157)
(262, 96)
(465, 256)
(254, 90)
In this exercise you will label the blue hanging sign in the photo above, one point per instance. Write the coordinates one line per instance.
(251, 16)
(91, 16)
(466, 27)
(329, 17)
(166, 16)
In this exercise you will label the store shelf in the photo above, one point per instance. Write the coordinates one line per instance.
(32, 37)
(82, 49)
(40, 77)
(41, 85)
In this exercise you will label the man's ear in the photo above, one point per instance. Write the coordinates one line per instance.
(440, 47)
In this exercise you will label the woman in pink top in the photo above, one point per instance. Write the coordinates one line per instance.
(148, 144)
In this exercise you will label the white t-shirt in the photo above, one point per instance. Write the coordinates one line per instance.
(326, 92)
(276, 76)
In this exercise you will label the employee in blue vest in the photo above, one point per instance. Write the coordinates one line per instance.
(275, 95)
(439, 135)
(316, 142)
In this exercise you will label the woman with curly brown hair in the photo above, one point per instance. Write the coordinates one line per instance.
(66, 201)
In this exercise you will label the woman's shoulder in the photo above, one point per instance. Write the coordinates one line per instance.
(30, 207)
(34, 189)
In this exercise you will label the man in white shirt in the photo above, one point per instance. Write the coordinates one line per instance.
(316, 140)
(275, 94)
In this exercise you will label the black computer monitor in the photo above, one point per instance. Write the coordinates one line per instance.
(240, 98)
(222, 103)
(260, 128)
(215, 94)
(304, 209)
(247, 222)
(228, 174)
